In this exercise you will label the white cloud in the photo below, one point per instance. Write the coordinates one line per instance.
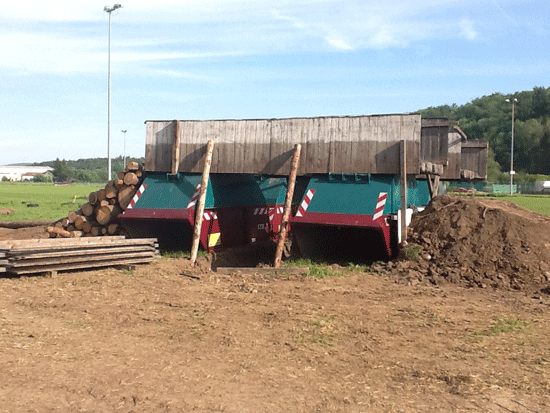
(338, 44)
(467, 30)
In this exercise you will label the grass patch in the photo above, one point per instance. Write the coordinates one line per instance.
(321, 330)
(182, 254)
(321, 269)
(505, 325)
(411, 252)
(54, 202)
(536, 203)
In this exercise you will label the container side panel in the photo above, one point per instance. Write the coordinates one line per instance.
(352, 144)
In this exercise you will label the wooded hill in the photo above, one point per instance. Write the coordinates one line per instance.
(490, 118)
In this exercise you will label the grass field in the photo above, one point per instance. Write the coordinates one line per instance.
(537, 203)
(54, 202)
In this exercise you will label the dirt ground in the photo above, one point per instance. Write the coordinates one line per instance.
(407, 336)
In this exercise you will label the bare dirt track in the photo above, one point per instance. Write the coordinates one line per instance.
(154, 340)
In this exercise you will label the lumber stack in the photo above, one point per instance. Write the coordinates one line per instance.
(20, 257)
(99, 216)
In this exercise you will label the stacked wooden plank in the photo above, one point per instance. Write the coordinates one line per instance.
(20, 257)
(98, 216)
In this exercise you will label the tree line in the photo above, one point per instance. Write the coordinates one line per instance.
(84, 170)
(490, 118)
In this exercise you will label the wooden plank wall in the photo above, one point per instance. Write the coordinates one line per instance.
(452, 171)
(351, 144)
(474, 157)
(433, 141)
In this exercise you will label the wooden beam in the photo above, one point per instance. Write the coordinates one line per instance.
(200, 203)
(403, 170)
(288, 204)
(430, 185)
(435, 185)
(176, 148)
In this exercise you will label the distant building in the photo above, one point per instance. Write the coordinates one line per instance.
(23, 173)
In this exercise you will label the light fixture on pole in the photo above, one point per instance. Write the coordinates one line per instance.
(109, 10)
(124, 134)
(512, 172)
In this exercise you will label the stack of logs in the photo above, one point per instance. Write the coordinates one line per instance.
(99, 215)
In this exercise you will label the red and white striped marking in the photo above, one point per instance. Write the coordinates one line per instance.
(379, 210)
(195, 197)
(271, 211)
(139, 192)
(209, 215)
(278, 210)
(305, 203)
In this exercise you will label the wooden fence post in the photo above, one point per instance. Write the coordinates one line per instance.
(288, 204)
(200, 203)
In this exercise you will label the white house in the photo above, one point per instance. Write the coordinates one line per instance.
(23, 173)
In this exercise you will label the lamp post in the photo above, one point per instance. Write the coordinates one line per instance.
(124, 134)
(109, 10)
(512, 172)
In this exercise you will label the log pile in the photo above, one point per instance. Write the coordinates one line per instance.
(98, 216)
(34, 256)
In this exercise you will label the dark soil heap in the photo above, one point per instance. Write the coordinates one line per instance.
(479, 242)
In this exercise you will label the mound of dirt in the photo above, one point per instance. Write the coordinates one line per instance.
(480, 242)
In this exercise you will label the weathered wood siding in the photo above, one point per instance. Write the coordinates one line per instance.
(433, 141)
(453, 168)
(474, 157)
(355, 144)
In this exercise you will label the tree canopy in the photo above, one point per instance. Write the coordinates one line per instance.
(86, 170)
(490, 118)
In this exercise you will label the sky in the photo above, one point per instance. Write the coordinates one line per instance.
(246, 59)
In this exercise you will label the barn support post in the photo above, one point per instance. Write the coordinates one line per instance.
(176, 149)
(200, 203)
(288, 204)
(403, 173)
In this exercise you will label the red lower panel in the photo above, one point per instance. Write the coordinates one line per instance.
(186, 214)
(346, 220)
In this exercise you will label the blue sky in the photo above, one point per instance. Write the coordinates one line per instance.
(206, 59)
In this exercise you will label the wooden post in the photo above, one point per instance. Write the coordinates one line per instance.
(176, 149)
(200, 203)
(403, 172)
(430, 185)
(436, 185)
(288, 204)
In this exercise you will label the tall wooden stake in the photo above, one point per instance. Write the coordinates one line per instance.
(176, 149)
(200, 203)
(403, 167)
(288, 204)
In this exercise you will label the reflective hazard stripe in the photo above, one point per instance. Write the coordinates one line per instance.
(210, 215)
(380, 205)
(139, 192)
(194, 198)
(271, 211)
(305, 203)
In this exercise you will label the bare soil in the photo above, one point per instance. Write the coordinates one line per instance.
(167, 337)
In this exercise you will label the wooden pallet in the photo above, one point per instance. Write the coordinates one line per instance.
(20, 257)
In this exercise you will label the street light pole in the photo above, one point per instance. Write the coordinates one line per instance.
(512, 172)
(124, 132)
(109, 10)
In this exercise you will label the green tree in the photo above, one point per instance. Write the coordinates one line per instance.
(43, 178)
(541, 102)
(61, 171)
